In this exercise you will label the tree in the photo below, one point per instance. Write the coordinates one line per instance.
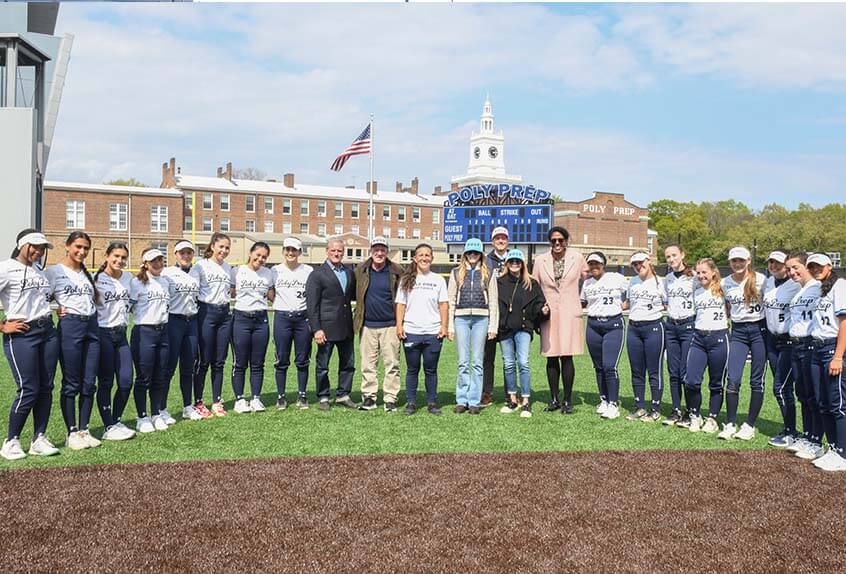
(250, 173)
(131, 182)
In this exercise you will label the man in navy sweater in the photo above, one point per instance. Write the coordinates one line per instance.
(375, 322)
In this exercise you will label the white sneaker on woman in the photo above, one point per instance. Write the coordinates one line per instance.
(145, 425)
(242, 406)
(167, 417)
(12, 450)
(42, 446)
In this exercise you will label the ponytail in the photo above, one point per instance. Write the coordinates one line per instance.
(93, 285)
(142, 274)
(827, 283)
(750, 289)
(73, 236)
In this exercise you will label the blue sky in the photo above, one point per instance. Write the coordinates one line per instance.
(690, 102)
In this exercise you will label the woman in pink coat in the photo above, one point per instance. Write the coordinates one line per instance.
(559, 273)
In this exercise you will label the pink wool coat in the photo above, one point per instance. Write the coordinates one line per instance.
(563, 333)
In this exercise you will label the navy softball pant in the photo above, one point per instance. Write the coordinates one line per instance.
(215, 333)
(183, 348)
(677, 337)
(32, 356)
(428, 349)
(707, 349)
(645, 345)
(250, 335)
(115, 361)
(291, 328)
(832, 394)
(812, 425)
(746, 338)
(780, 358)
(79, 355)
(604, 337)
(149, 347)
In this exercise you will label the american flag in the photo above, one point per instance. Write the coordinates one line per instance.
(360, 146)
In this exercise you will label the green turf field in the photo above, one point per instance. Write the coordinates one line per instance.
(343, 432)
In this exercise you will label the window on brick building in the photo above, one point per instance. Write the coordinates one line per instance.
(401, 233)
(415, 234)
(355, 229)
(354, 210)
(406, 255)
(339, 230)
(436, 216)
(339, 209)
(158, 218)
(304, 207)
(188, 224)
(286, 227)
(286, 207)
(321, 208)
(207, 224)
(415, 214)
(400, 214)
(250, 204)
(268, 227)
(304, 228)
(207, 201)
(631, 241)
(268, 205)
(224, 202)
(250, 225)
(224, 224)
(189, 202)
(321, 230)
(117, 216)
(436, 234)
(386, 212)
(584, 239)
(386, 232)
(75, 214)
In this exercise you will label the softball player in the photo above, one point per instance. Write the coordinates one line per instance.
(645, 339)
(744, 293)
(678, 326)
(182, 338)
(213, 317)
(150, 297)
(79, 338)
(30, 343)
(250, 333)
(709, 348)
(802, 309)
(604, 297)
(829, 341)
(779, 290)
(290, 322)
(113, 286)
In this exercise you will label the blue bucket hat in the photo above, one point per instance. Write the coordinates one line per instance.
(473, 245)
(515, 254)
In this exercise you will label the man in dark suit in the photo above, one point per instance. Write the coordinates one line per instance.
(330, 290)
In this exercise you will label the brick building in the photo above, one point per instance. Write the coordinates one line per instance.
(606, 222)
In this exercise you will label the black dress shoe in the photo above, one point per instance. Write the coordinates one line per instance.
(459, 409)
(475, 410)
(433, 409)
(552, 407)
(567, 408)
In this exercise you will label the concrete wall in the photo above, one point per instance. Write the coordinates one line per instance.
(17, 166)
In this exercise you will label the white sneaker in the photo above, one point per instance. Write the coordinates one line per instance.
(797, 445)
(810, 451)
(76, 441)
(242, 406)
(612, 411)
(728, 431)
(115, 433)
(824, 459)
(711, 426)
(695, 423)
(159, 423)
(746, 432)
(12, 450)
(125, 430)
(835, 463)
(167, 417)
(191, 414)
(256, 405)
(601, 408)
(42, 446)
(145, 425)
(89, 439)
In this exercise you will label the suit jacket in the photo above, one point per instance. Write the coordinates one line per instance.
(329, 309)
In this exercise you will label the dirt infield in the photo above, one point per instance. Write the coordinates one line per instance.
(657, 511)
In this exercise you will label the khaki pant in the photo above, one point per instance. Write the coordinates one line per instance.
(374, 342)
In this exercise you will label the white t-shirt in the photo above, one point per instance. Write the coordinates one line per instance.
(802, 308)
(422, 314)
(646, 298)
(740, 311)
(710, 311)
(604, 297)
(290, 287)
(24, 291)
(184, 289)
(215, 281)
(151, 300)
(680, 295)
(777, 304)
(251, 288)
(113, 306)
(72, 289)
(829, 308)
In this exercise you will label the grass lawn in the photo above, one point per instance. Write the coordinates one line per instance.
(343, 432)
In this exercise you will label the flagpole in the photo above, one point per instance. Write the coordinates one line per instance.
(372, 183)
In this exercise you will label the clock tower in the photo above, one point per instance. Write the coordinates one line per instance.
(487, 154)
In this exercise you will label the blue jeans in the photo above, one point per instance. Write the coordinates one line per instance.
(515, 357)
(427, 347)
(471, 332)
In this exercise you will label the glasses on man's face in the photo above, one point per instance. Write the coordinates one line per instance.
(557, 240)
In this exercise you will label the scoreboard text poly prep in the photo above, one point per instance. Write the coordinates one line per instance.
(525, 223)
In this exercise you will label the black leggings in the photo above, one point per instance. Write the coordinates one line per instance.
(560, 367)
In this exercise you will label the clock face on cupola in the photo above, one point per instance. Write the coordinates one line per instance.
(493, 152)
(477, 152)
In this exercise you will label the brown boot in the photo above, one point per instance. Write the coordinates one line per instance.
(486, 400)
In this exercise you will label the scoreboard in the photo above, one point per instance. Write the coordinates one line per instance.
(525, 223)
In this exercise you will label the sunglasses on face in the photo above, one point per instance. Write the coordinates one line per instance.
(557, 240)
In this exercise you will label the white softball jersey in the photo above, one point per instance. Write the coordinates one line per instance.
(777, 298)
(215, 281)
(251, 288)
(290, 287)
(802, 308)
(741, 312)
(72, 290)
(183, 288)
(830, 307)
(604, 297)
(646, 298)
(710, 311)
(24, 291)
(113, 306)
(680, 291)
(151, 300)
